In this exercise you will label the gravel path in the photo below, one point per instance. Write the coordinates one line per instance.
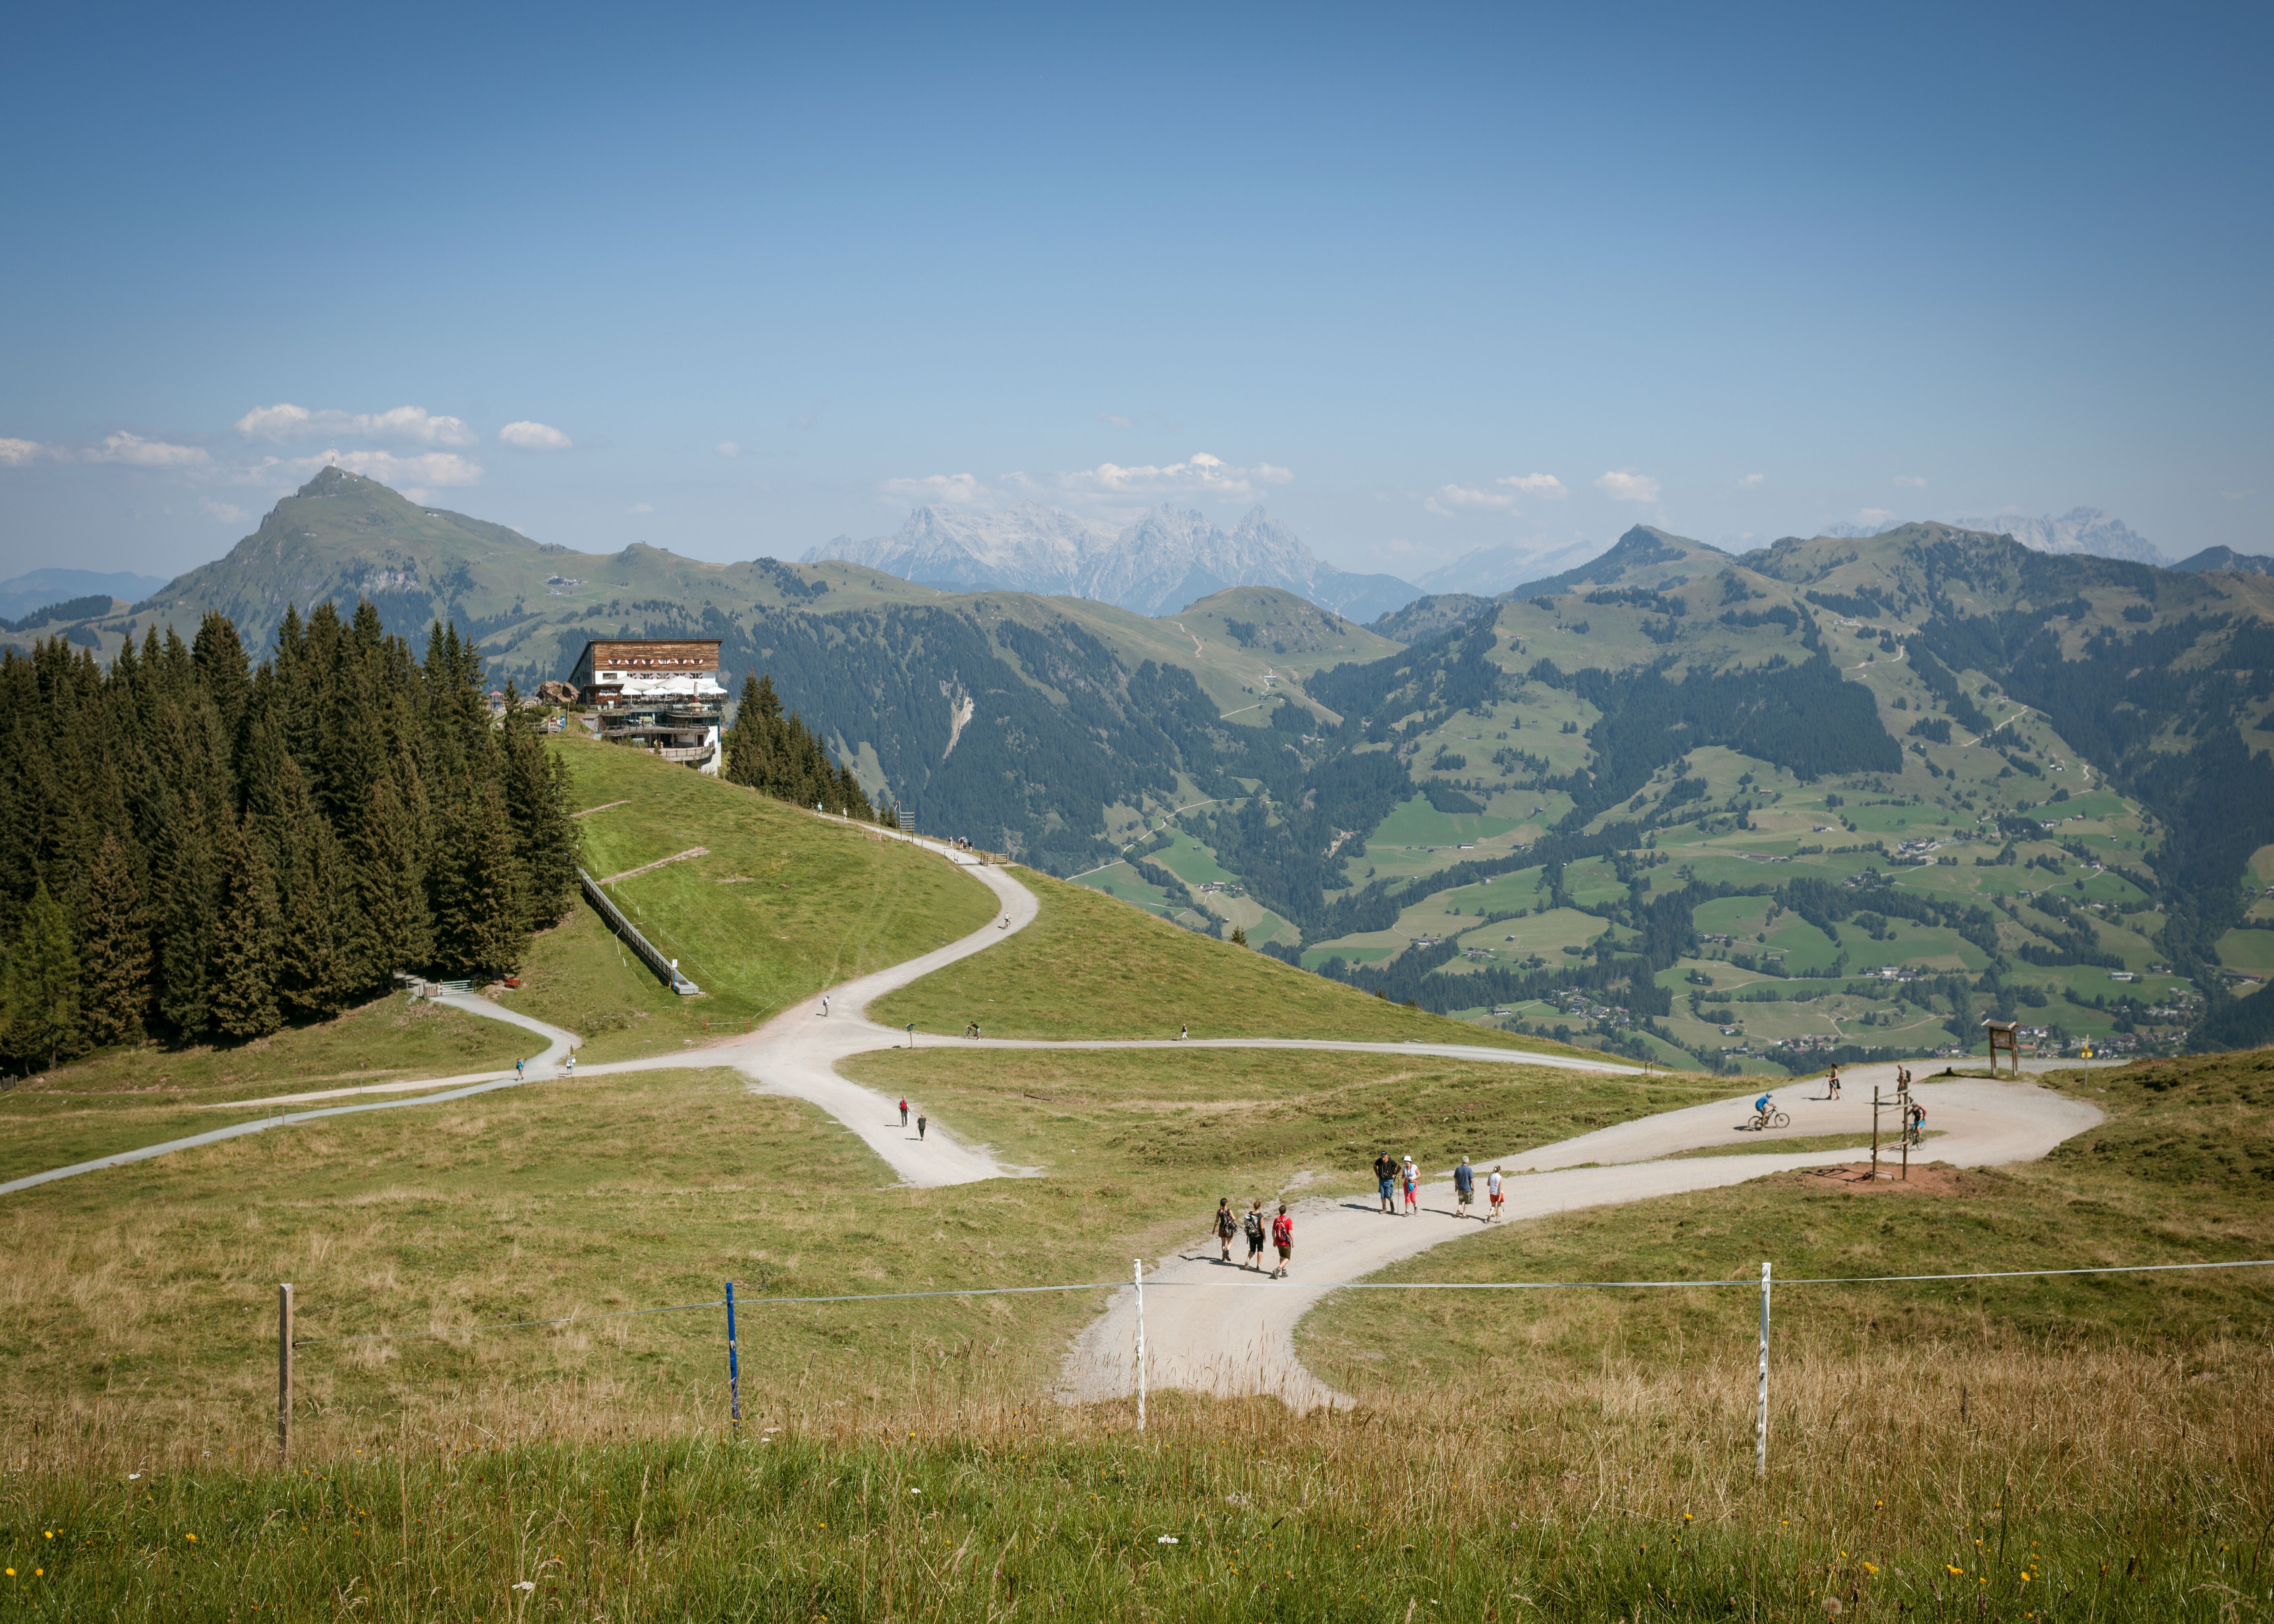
(558, 1045)
(1224, 1331)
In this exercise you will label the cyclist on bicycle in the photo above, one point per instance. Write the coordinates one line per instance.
(1761, 1112)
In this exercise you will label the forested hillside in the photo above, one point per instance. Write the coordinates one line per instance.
(191, 845)
(1488, 812)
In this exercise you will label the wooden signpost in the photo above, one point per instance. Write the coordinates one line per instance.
(2004, 1034)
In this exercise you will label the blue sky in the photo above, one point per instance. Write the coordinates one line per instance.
(735, 281)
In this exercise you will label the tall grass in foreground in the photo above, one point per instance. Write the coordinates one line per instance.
(1941, 1482)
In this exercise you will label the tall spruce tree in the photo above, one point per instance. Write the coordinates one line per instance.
(780, 755)
(395, 931)
(478, 930)
(39, 992)
(539, 796)
(114, 949)
(185, 907)
(243, 978)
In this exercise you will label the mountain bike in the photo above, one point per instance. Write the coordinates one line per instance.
(1765, 1120)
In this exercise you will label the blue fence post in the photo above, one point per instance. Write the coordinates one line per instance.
(734, 1364)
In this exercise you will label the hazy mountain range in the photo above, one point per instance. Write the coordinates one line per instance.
(2086, 530)
(21, 594)
(1168, 558)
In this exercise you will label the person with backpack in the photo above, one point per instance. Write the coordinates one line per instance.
(1226, 1225)
(1283, 1236)
(1385, 1176)
(1413, 1180)
(904, 1113)
(1493, 1191)
(1465, 1187)
(1253, 1226)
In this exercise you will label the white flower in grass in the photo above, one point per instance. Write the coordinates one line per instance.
(526, 1585)
(1166, 1539)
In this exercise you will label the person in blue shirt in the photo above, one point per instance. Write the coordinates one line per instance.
(1761, 1110)
(1464, 1186)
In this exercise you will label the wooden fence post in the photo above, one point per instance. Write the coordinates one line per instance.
(284, 1372)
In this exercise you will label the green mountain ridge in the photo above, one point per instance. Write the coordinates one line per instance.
(1339, 794)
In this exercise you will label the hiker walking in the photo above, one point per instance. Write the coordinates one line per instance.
(1412, 1179)
(825, 1006)
(904, 1113)
(1252, 1225)
(911, 1034)
(921, 1120)
(1183, 1032)
(1831, 1081)
(518, 1074)
(1465, 1187)
(570, 1065)
(1493, 1194)
(1385, 1176)
(1226, 1225)
(1283, 1236)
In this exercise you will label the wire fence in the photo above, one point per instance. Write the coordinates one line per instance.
(1224, 1285)
(288, 1343)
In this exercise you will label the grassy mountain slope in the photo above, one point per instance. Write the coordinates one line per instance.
(1093, 966)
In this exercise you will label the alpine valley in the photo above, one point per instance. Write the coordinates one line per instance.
(1838, 797)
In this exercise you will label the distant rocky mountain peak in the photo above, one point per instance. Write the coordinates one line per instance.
(2080, 529)
(1168, 558)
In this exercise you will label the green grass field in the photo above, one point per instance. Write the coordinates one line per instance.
(1089, 966)
(124, 1097)
(782, 905)
(2073, 1448)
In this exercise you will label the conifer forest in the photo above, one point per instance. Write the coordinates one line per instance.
(193, 847)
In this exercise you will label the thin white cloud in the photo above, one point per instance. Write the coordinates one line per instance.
(961, 490)
(1917, 482)
(638, 508)
(527, 436)
(227, 513)
(1623, 485)
(128, 450)
(406, 474)
(1117, 419)
(1874, 516)
(727, 448)
(413, 425)
(1447, 500)
(1199, 475)
(136, 452)
(1534, 485)
(1753, 481)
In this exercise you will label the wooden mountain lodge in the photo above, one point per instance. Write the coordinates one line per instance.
(662, 695)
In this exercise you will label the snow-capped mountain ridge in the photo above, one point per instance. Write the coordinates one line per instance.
(1171, 557)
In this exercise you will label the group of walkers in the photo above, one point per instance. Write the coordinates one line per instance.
(1251, 1224)
(922, 1121)
(1392, 1176)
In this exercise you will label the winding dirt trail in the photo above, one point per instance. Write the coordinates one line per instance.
(1222, 1330)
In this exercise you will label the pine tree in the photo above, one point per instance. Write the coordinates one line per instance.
(391, 891)
(537, 799)
(244, 946)
(314, 902)
(477, 917)
(40, 996)
(113, 939)
(185, 917)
